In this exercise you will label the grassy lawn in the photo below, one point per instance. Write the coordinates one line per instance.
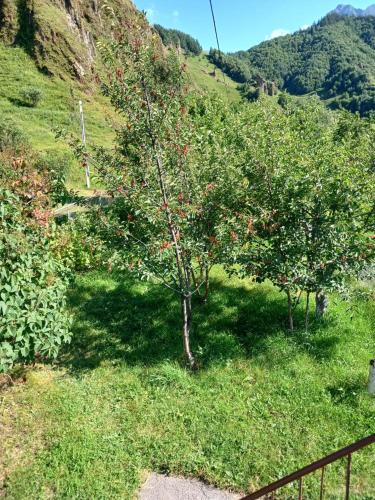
(118, 403)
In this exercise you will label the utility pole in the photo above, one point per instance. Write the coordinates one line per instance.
(85, 161)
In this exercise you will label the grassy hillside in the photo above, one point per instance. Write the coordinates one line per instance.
(119, 404)
(58, 108)
(200, 69)
(61, 36)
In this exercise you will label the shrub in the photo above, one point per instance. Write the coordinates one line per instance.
(33, 320)
(37, 177)
(12, 139)
(56, 166)
(31, 96)
(79, 244)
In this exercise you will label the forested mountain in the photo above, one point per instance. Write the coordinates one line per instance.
(177, 39)
(334, 58)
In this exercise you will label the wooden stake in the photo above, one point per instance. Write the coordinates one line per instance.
(85, 161)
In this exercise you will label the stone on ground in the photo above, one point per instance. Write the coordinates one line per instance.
(160, 487)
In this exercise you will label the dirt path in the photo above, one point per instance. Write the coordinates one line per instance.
(159, 487)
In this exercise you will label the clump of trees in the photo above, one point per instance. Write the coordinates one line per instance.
(233, 66)
(178, 39)
(284, 192)
(311, 199)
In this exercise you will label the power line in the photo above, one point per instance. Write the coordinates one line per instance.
(217, 41)
(215, 26)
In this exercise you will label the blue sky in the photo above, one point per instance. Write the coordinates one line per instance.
(241, 23)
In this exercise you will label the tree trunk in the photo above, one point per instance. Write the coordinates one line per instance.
(321, 303)
(186, 319)
(207, 284)
(307, 311)
(290, 311)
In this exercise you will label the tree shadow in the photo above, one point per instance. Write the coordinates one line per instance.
(25, 36)
(19, 102)
(260, 313)
(348, 392)
(141, 325)
(123, 324)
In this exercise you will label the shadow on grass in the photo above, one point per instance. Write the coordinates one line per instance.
(20, 103)
(347, 392)
(141, 325)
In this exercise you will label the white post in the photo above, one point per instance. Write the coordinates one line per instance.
(85, 162)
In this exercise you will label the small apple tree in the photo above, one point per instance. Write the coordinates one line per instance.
(170, 172)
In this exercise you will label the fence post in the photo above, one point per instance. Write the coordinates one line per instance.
(348, 473)
(85, 161)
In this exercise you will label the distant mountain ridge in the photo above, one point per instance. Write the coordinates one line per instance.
(349, 10)
(334, 58)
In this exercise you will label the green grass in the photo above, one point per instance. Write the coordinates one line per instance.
(119, 402)
(200, 68)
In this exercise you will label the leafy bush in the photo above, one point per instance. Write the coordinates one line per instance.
(79, 244)
(31, 175)
(33, 321)
(56, 167)
(12, 139)
(31, 96)
(249, 92)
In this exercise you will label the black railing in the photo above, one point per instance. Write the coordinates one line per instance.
(270, 490)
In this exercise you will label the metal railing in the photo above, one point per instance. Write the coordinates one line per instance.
(270, 490)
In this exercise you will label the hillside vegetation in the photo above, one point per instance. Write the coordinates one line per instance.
(179, 40)
(51, 46)
(334, 58)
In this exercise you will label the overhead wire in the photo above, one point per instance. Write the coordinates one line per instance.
(217, 40)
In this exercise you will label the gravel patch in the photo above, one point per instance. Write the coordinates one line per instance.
(160, 487)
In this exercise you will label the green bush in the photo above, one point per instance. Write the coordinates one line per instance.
(56, 166)
(33, 320)
(80, 243)
(31, 96)
(12, 138)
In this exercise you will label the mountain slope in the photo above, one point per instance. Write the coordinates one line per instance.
(61, 35)
(50, 45)
(334, 58)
